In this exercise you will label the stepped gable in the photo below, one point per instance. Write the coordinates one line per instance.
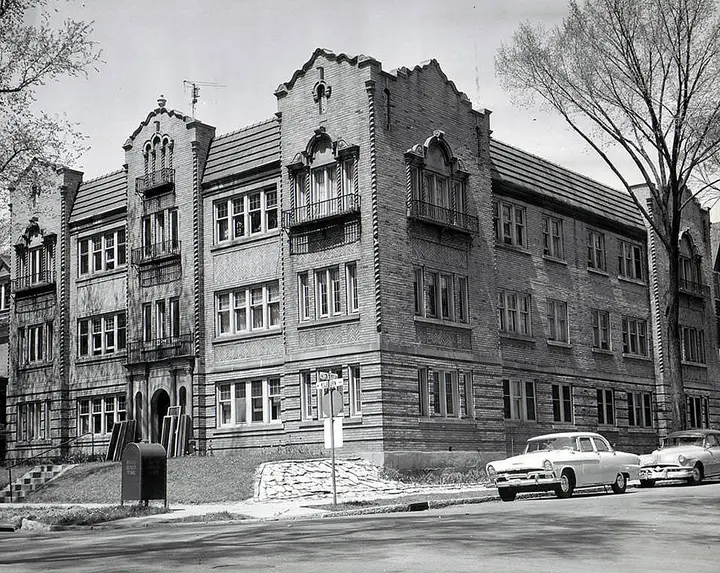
(100, 196)
(514, 169)
(242, 151)
(404, 72)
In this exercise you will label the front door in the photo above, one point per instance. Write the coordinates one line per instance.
(159, 409)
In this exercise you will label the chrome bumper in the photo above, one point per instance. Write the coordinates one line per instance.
(529, 483)
(660, 473)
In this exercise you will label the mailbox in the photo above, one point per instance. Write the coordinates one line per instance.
(144, 473)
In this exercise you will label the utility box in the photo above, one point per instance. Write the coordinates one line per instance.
(144, 473)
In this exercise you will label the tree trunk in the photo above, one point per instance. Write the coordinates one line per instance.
(674, 372)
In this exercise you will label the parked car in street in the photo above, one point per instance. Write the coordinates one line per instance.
(562, 463)
(690, 455)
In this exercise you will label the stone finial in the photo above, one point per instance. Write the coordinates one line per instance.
(161, 101)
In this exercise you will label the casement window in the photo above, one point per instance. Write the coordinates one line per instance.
(697, 412)
(634, 336)
(33, 421)
(640, 409)
(562, 403)
(351, 294)
(439, 393)
(175, 317)
(327, 292)
(306, 395)
(606, 407)
(248, 309)
(303, 296)
(462, 301)
(553, 237)
(355, 390)
(467, 397)
(147, 322)
(596, 250)
(513, 311)
(101, 335)
(101, 252)
(600, 320)
(35, 343)
(519, 400)
(689, 273)
(440, 295)
(246, 215)
(160, 233)
(4, 296)
(693, 345)
(99, 414)
(509, 224)
(630, 261)
(557, 315)
(160, 320)
(249, 402)
(36, 265)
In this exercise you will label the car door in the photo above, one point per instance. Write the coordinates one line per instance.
(712, 449)
(608, 460)
(590, 461)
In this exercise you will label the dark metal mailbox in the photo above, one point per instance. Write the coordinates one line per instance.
(144, 472)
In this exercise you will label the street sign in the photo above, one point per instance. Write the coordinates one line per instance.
(333, 434)
(332, 396)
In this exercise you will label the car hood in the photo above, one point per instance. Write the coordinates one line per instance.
(670, 455)
(533, 460)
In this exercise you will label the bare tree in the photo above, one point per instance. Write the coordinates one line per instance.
(641, 76)
(34, 50)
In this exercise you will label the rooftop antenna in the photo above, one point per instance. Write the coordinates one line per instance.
(195, 91)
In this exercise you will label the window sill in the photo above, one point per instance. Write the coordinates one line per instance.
(555, 260)
(603, 351)
(630, 280)
(244, 241)
(559, 344)
(641, 429)
(637, 357)
(253, 427)
(516, 421)
(598, 272)
(102, 358)
(445, 420)
(513, 248)
(694, 364)
(246, 335)
(515, 336)
(441, 322)
(35, 366)
(101, 275)
(329, 321)
(35, 442)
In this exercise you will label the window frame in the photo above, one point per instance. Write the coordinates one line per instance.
(240, 302)
(243, 402)
(513, 318)
(606, 415)
(88, 336)
(251, 209)
(508, 230)
(600, 322)
(92, 412)
(630, 261)
(692, 345)
(634, 335)
(553, 244)
(596, 251)
(93, 251)
(558, 321)
(640, 409)
(563, 403)
(520, 400)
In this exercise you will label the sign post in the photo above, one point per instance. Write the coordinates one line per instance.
(328, 382)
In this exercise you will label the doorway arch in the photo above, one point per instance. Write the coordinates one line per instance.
(158, 410)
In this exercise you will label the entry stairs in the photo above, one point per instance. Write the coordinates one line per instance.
(32, 480)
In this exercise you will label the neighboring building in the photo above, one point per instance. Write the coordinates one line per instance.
(467, 293)
(4, 331)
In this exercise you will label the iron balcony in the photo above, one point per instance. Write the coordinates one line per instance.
(159, 349)
(322, 211)
(151, 253)
(443, 216)
(155, 182)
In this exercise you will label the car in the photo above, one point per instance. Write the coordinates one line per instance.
(562, 463)
(689, 455)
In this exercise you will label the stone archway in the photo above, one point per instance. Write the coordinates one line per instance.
(158, 410)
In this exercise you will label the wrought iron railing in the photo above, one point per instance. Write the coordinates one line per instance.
(444, 216)
(33, 280)
(159, 349)
(318, 210)
(155, 182)
(161, 250)
(693, 287)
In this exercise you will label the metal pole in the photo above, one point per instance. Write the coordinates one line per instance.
(11, 487)
(332, 445)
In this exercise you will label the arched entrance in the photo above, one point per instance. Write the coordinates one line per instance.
(158, 410)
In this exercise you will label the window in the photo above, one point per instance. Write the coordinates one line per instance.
(693, 345)
(160, 233)
(697, 412)
(306, 394)
(601, 329)
(431, 294)
(249, 402)
(630, 263)
(160, 320)
(175, 318)
(462, 309)
(328, 373)
(519, 400)
(33, 421)
(553, 237)
(562, 403)
(596, 250)
(35, 344)
(557, 321)
(418, 290)
(246, 215)
(514, 312)
(509, 224)
(351, 287)
(254, 308)
(634, 336)
(606, 407)
(99, 414)
(36, 265)
(147, 322)
(101, 252)
(439, 393)
(101, 335)
(440, 295)
(447, 297)
(355, 390)
(465, 384)
(327, 292)
(4, 296)
(639, 409)
(303, 296)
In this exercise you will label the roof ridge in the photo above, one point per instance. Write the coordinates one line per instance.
(102, 176)
(241, 129)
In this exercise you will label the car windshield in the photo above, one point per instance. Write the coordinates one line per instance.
(545, 444)
(683, 441)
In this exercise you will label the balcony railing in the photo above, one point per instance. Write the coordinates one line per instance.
(32, 282)
(693, 288)
(322, 210)
(156, 182)
(150, 253)
(443, 216)
(160, 349)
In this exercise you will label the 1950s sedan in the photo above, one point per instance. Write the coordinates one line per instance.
(562, 463)
(690, 455)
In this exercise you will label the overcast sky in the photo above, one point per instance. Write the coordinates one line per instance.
(252, 46)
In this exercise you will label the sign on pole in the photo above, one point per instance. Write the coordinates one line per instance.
(335, 434)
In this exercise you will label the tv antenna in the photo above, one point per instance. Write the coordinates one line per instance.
(195, 91)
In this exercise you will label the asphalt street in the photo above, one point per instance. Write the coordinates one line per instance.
(663, 529)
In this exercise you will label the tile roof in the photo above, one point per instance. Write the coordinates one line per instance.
(99, 196)
(515, 168)
(244, 150)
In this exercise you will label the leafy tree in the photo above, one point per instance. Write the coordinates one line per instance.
(642, 78)
(36, 49)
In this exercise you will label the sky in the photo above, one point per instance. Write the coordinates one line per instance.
(249, 47)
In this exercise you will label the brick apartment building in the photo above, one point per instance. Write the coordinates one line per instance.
(468, 294)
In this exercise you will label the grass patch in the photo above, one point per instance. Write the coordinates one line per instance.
(439, 476)
(75, 515)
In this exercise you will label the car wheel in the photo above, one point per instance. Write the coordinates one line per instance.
(507, 493)
(647, 483)
(697, 475)
(620, 484)
(566, 486)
